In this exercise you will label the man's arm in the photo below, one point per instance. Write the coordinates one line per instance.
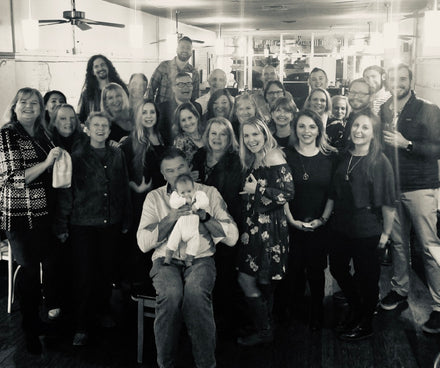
(154, 83)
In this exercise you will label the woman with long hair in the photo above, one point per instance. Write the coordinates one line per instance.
(218, 164)
(114, 102)
(312, 166)
(27, 202)
(264, 242)
(364, 198)
(188, 130)
(52, 99)
(142, 150)
(319, 100)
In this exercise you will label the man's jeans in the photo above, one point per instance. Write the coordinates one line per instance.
(419, 209)
(184, 295)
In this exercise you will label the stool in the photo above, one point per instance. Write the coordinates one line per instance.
(145, 308)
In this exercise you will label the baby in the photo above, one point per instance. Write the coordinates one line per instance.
(187, 227)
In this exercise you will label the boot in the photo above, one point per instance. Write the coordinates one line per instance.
(260, 316)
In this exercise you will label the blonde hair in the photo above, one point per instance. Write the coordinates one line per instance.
(232, 142)
(248, 158)
(328, 108)
(125, 102)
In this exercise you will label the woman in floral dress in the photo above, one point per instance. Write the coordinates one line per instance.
(264, 242)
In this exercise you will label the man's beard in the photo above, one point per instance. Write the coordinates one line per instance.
(183, 59)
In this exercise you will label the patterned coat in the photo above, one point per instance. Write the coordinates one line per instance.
(22, 205)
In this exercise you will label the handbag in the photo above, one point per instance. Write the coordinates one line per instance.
(62, 171)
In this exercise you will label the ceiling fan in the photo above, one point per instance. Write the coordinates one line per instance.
(179, 35)
(77, 18)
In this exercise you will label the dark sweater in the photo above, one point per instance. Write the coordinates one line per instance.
(419, 122)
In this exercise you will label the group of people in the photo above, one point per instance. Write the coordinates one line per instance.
(238, 199)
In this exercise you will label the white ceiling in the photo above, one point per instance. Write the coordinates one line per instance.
(281, 15)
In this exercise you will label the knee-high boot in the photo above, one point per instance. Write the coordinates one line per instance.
(258, 309)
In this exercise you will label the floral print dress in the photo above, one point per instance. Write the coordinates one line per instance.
(264, 242)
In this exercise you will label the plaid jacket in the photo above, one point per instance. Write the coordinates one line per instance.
(21, 204)
(161, 82)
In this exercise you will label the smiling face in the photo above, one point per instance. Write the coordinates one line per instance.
(222, 107)
(184, 50)
(359, 96)
(399, 83)
(318, 102)
(65, 122)
(282, 117)
(98, 130)
(318, 80)
(273, 93)
(306, 130)
(362, 132)
(54, 101)
(245, 111)
(172, 168)
(374, 79)
(339, 109)
(149, 115)
(183, 88)
(27, 108)
(114, 101)
(218, 138)
(253, 138)
(188, 122)
(100, 69)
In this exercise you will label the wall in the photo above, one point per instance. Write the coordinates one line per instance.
(54, 66)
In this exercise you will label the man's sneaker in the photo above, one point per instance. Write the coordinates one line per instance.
(432, 325)
(392, 300)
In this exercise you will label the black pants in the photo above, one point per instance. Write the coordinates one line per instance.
(360, 289)
(307, 262)
(30, 248)
(93, 264)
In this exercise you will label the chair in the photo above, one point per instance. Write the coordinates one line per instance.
(6, 255)
(145, 308)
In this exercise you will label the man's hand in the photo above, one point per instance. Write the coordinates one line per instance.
(201, 213)
(395, 139)
(176, 213)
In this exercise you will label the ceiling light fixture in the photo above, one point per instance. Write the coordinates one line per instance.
(30, 31)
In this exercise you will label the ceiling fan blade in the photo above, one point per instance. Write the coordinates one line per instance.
(197, 41)
(83, 26)
(49, 22)
(99, 23)
(159, 41)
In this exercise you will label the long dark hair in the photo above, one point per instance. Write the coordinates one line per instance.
(375, 149)
(176, 127)
(139, 137)
(91, 83)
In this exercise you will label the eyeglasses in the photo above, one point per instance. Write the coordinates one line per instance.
(181, 84)
(273, 93)
(358, 94)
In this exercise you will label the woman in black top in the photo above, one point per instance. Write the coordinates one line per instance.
(218, 164)
(312, 167)
(364, 204)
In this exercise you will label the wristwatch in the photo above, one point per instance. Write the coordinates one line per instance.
(409, 147)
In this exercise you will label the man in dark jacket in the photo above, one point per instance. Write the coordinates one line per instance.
(411, 130)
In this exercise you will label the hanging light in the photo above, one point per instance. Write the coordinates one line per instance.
(136, 31)
(390, 32)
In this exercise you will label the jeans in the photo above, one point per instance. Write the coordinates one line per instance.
(30, 248)
(184, 295)
(362, 288)
(419, 209)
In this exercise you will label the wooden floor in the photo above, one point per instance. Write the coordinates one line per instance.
(398, 341)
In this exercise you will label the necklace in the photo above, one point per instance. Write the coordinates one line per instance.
(305, 175)
(350, 170)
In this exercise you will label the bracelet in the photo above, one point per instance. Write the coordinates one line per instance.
(323, 220)
(207, 218)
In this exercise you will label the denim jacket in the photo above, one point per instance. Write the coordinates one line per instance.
(99, 195)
